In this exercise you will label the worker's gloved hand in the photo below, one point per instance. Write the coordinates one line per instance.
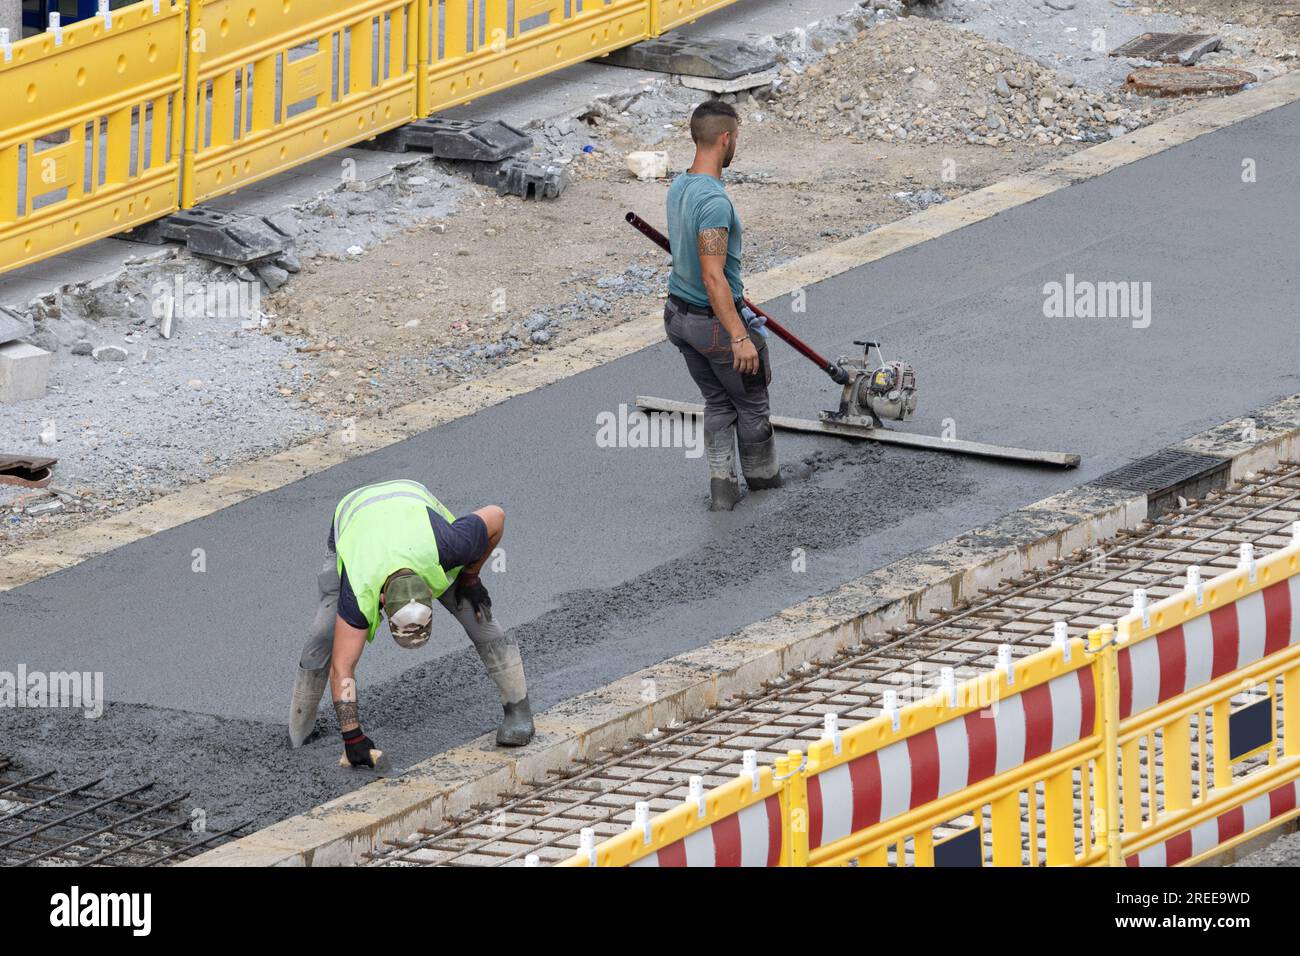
(470, 588)
(358, 747)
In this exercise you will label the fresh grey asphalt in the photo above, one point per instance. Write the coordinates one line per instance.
(612, 561)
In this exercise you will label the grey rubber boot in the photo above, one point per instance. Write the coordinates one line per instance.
(308, 687)
(517, 726)
(759, 464)
(500, 656)
(506, 668)
(720, 448)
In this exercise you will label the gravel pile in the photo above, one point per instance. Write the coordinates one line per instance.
(914, 80)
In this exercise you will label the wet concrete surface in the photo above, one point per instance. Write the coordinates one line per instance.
(611, 560)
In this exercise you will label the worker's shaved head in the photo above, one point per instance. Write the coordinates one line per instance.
(714, 127)
(711, 119)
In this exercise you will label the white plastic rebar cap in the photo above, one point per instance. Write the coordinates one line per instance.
(1005, 663)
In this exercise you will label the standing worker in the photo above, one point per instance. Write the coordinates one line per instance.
(722, 340)
(394, 548)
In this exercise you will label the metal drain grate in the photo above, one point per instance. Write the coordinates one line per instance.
(1168, 475)
(1184, 48)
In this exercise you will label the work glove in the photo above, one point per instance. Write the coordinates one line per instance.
(358, 747)
(470, 588)
(754, 322)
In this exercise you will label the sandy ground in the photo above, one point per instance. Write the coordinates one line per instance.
(1274, 24)
(399, 307)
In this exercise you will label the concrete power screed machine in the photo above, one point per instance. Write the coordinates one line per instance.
(874, 390)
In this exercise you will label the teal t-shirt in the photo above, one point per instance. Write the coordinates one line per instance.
(697, 201)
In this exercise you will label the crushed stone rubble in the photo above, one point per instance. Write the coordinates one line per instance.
(917, 80)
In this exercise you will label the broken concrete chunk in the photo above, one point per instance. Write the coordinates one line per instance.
(109, 353)
(14, 325)
(732, 85)
(273, 276)
(24, 372)
(647, 164)
(83, 347)
(51, 506)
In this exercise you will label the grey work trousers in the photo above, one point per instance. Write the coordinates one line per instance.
(729, 397)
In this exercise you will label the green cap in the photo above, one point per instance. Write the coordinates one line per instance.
(408, 602)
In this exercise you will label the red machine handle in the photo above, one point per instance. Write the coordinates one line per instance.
(781, 332)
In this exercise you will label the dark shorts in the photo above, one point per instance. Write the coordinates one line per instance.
(460, 542)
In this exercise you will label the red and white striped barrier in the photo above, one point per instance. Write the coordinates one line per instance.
(944, 759)
(1204, 837)
(751, 837)
(1185, 657)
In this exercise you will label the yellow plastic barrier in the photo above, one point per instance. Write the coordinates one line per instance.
(1209, 694)
(742, 823)
(1163, 741)
(673, 13)
(274, 83)
(90, 127)
(1003, 769)
(477, 48)
(181, 101)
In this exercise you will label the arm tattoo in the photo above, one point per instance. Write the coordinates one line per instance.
(713, 242)
(348, 714)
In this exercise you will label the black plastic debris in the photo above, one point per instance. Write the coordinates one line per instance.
(489, 141)
(712, 57)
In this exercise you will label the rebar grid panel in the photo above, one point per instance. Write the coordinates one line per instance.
(43, 823)
(1089, 589)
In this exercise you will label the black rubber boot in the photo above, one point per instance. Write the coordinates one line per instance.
(724, 489)
(759, 464)
(517, 726)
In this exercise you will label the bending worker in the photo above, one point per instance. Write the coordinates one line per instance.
(705, 317)
(394, 548)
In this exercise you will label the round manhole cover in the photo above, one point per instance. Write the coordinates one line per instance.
(1188, 80)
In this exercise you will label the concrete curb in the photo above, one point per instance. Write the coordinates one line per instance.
(66, 549)
(343, 830)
